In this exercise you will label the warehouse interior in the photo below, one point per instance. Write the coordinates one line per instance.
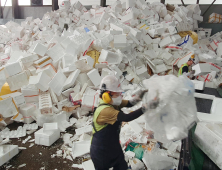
(62, 62)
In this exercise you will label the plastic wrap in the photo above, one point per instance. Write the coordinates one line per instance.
(176, 111)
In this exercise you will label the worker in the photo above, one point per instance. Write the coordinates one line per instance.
(106, 151)
(184, 69)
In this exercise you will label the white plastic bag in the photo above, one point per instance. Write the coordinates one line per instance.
(176, 111)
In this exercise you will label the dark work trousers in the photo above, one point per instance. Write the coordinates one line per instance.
(106, 151)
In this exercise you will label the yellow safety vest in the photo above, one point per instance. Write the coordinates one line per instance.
(181, 69)
(96, 114)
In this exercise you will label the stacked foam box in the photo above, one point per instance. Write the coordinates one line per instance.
(215, 18)
(45, 103)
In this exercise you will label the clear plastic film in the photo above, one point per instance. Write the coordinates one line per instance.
(175, 112)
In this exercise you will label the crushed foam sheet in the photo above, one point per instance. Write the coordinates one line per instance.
(138, 40)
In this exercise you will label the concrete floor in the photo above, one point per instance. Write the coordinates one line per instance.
(39, 156)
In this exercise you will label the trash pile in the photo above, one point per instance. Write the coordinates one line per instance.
(48, 69)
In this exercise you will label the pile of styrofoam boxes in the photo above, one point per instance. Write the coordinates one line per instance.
(50, 66)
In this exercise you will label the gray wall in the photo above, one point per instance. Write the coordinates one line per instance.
(7, 13)
(35, 12)
(38, 12)
(26, 11)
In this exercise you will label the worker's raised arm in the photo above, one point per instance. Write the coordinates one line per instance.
(122, 117)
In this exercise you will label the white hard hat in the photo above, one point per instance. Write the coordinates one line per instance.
(110, 83)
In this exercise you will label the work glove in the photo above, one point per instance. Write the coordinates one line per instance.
(138, 97)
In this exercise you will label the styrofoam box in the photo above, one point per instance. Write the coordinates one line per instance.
(27, 110)
(17, 81)
(30, 90)
(41, 81)
(31, 99)
(9, 152)
(29, 58)
(46, 138)
(17, 97)
(45, 103)
(57, 83)
(40, 49)
(71, 79)
(13, 69)
(48, 70)
(88, 165)
(199, 85)
(94, 77)
(208, 137)
(110, 57)
(50, 126)
(28, 120)
(7, 108)
(201, 69)
(80, 148)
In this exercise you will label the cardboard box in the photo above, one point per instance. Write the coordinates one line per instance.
(46, 138)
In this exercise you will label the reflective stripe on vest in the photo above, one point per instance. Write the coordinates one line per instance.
(181, 69)
(96, 114)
